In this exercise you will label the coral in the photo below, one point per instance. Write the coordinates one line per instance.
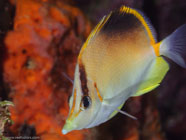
(45, 42)
(4, 117)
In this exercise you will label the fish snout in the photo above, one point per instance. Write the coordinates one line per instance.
(69, 126)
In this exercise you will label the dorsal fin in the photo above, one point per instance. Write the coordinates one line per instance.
(107, 23)
(144, 20)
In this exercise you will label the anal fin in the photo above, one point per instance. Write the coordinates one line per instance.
(154, 77)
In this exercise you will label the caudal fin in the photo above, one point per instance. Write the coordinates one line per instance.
(174, 46)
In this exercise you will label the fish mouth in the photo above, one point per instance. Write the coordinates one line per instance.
(69, 126)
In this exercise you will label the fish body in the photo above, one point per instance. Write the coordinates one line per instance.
(120, 59)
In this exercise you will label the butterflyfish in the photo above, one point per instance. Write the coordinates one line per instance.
(120, 59)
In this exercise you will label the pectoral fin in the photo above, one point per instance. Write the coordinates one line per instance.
(115, 112)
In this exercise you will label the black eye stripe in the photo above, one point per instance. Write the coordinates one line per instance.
(83, 79)
(86, 100)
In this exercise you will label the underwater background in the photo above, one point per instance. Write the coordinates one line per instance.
(40, 40)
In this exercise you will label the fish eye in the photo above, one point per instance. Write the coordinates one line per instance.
(86, 102)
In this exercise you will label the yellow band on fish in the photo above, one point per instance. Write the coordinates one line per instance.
(99, 95)
(78, 113)
(157, 48)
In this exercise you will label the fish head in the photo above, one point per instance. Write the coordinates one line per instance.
(84, 104)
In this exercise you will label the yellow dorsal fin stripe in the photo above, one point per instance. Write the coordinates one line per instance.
(141, 19)
(96, 29)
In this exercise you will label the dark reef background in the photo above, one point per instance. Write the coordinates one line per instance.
(161, 113)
